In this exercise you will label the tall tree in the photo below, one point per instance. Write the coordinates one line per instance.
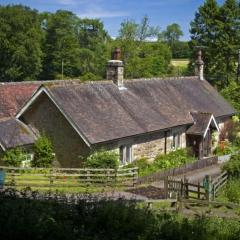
(92, 39)
(20, 43)
(145, 31)
(61, 48)
(217, 28)
(172, 34)
(142, 58)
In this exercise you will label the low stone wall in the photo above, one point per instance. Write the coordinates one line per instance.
(179, 170)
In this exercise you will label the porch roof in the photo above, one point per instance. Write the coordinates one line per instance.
(202, 121)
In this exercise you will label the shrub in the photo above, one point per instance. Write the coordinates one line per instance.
(103, 159)
(233, 166)
(173, 159)
(163, 162)
(232, 191)
(43, 153)
(225, 148)
(105, 219)
(14, 157)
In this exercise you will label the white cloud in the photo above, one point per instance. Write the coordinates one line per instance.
(95, 12)
(103, 14)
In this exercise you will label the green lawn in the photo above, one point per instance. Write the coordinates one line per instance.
(61, 184)
(180, 62)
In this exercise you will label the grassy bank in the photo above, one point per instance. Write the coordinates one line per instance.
(95, 220)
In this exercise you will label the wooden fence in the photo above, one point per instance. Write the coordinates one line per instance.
(182, 189)
(218, 183)
(68, 177)
(158, 176)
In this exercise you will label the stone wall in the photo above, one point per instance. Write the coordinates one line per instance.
(44, 117)
(152, 145)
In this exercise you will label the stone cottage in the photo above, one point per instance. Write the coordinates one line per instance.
(138, 118)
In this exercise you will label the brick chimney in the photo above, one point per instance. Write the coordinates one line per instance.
(199, 65)
(115, 68)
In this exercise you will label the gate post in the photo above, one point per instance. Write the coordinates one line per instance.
(166, 187)
(186, 187)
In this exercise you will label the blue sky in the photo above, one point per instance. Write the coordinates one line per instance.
(113, 12)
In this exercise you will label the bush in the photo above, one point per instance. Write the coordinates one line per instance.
(14, 157)
(90, 219)
(173, 159)
(43, 153)
(225, 148)
(233, 166)
(232, 191)
(103, 159)
(163, 162)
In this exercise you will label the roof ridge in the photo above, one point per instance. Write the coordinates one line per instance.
(70, 81)
(38, 82)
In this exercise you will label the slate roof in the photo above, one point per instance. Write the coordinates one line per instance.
(102, 112)
(201, 121)
(14, 133)
(14, 95)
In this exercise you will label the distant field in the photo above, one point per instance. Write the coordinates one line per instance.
(180, 62)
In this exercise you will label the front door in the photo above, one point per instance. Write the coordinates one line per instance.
(207, 144)
(194, 142)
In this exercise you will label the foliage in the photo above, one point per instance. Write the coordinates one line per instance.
(103, 159)
(61, 45)
(217, 28)
(173, 159)
(172, 34)
(142, 58)
(233, 166)
(225, 148)
(43, 153)
(163, 162)
(20, 43)
(231, 191)
(180, 50)
(232, 94)
(130, 30)
(14, 157)
(101, 219)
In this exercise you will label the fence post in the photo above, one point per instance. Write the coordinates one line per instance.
(88, 176)
(166, 187)
(186, 187)
(108, 177)
(13, 182)
(51, 177)
(210, 189)
(207, 183)
(199, 194)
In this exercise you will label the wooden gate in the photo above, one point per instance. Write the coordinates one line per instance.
(181, 188)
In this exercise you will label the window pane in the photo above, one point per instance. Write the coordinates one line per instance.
(121, 154)
(129, 153)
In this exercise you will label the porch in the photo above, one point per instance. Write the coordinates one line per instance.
(199, 135)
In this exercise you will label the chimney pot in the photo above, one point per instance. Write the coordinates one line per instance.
(115, 68)
(117, 54)
(199, 65)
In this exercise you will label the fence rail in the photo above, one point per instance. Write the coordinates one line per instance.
(68, 177)
(181, 188)
(218, 183)
(158, 176)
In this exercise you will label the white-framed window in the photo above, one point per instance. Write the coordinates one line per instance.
(27, 161)
(125, 153)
